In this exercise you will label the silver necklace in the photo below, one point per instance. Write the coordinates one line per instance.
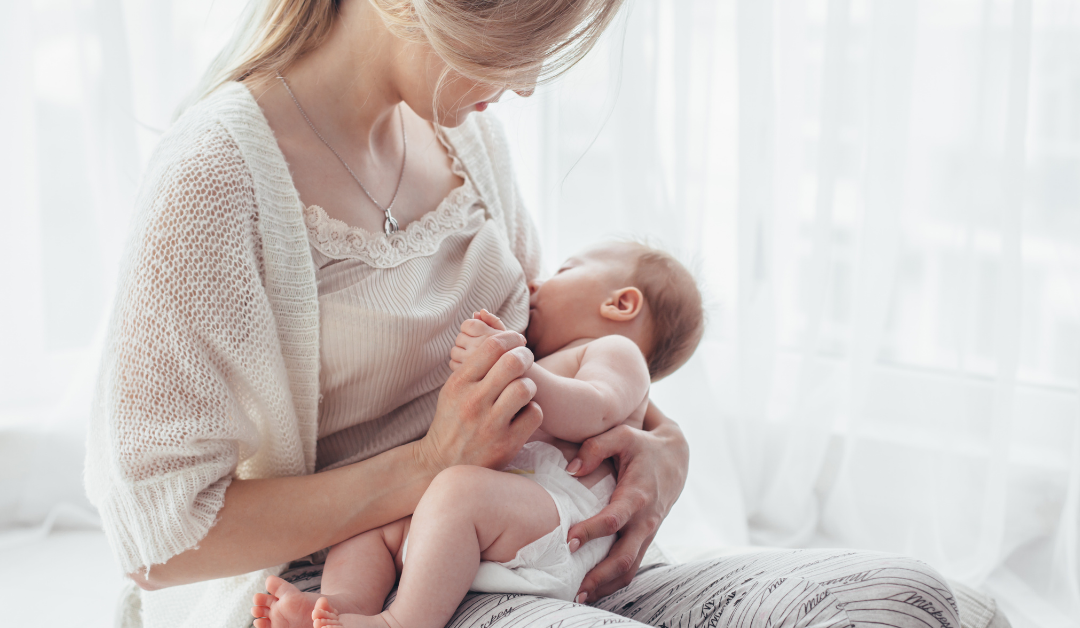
(389, 225)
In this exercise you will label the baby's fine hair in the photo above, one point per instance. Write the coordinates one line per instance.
(675, 305)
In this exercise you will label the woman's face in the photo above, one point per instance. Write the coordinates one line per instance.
(455, 98)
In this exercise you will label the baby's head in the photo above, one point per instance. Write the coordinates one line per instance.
(621, 288)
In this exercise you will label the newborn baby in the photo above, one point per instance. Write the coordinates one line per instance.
(611, 320)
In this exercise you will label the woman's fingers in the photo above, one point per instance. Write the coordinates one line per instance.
(618, 569)
(510, 366)
(482, 404)
(525, 423)
(514, 397)
(489, 353)
(625, 503)
(609, 444)
(652, 470)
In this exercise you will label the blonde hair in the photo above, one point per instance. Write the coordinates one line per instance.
(513, 43)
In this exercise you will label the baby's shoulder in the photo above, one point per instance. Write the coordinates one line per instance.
(614, 349)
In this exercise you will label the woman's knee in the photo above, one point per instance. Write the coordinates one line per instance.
(900, 590)
(789, 586)
(905, 570)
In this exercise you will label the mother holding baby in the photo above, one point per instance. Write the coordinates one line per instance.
(311, 234)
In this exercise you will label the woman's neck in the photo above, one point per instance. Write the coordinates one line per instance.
(347, 85)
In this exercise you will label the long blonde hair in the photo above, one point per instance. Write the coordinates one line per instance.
(514, 43)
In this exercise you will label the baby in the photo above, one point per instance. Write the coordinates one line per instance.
(607, 323)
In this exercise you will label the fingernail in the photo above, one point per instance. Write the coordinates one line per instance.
(574, 466)
(581, 597)
(574, 545)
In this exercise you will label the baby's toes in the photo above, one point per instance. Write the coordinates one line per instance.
(324, 615)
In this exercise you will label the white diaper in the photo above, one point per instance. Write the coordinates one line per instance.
(546, 567)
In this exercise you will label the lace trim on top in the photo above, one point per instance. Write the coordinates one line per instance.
(419, 238)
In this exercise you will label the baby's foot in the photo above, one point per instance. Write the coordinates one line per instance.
(284, 607)
(324, 616)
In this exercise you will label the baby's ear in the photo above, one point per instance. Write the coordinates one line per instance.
(623, 305)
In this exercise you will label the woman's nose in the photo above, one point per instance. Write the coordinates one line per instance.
(525, 93)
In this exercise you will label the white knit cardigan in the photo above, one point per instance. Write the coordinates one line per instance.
(211, 366)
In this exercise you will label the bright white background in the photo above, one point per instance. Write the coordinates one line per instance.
(882, 198)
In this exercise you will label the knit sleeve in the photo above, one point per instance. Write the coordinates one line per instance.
(192, 355)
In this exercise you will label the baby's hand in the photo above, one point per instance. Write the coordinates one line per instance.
(473, 333)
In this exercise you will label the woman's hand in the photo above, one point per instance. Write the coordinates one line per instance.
(473, 333)
(652, 467)
(485, 412)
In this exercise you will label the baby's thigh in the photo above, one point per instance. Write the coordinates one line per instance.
(528, 513)
(394, 535)
(508, 511)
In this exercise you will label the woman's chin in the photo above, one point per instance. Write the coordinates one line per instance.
(456, 118)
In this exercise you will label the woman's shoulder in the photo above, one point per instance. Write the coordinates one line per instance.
(220, 143)
(228, 120)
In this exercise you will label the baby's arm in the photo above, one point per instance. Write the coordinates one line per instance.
(609, 387)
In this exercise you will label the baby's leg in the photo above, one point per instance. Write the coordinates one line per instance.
(468, 514)
(361, 571)
(358, 576)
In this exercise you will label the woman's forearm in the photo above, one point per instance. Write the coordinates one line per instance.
(268, 522)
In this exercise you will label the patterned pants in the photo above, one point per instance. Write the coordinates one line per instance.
(766, 589)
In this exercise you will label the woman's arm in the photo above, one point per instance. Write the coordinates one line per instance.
(652, 467)
(273, 521)
(483, 418)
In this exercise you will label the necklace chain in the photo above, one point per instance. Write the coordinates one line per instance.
(390, 225)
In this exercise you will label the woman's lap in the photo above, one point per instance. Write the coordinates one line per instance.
(796, 588)
(790, 588)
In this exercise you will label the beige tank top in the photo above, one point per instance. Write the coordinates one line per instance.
(390, 309)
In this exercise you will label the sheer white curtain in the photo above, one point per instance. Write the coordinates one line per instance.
(89, 86)
(882, 198)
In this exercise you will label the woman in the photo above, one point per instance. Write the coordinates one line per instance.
(308, 243)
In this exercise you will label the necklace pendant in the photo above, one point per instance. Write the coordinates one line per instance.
(390, 225)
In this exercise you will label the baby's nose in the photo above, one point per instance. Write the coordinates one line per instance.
(534, 285)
